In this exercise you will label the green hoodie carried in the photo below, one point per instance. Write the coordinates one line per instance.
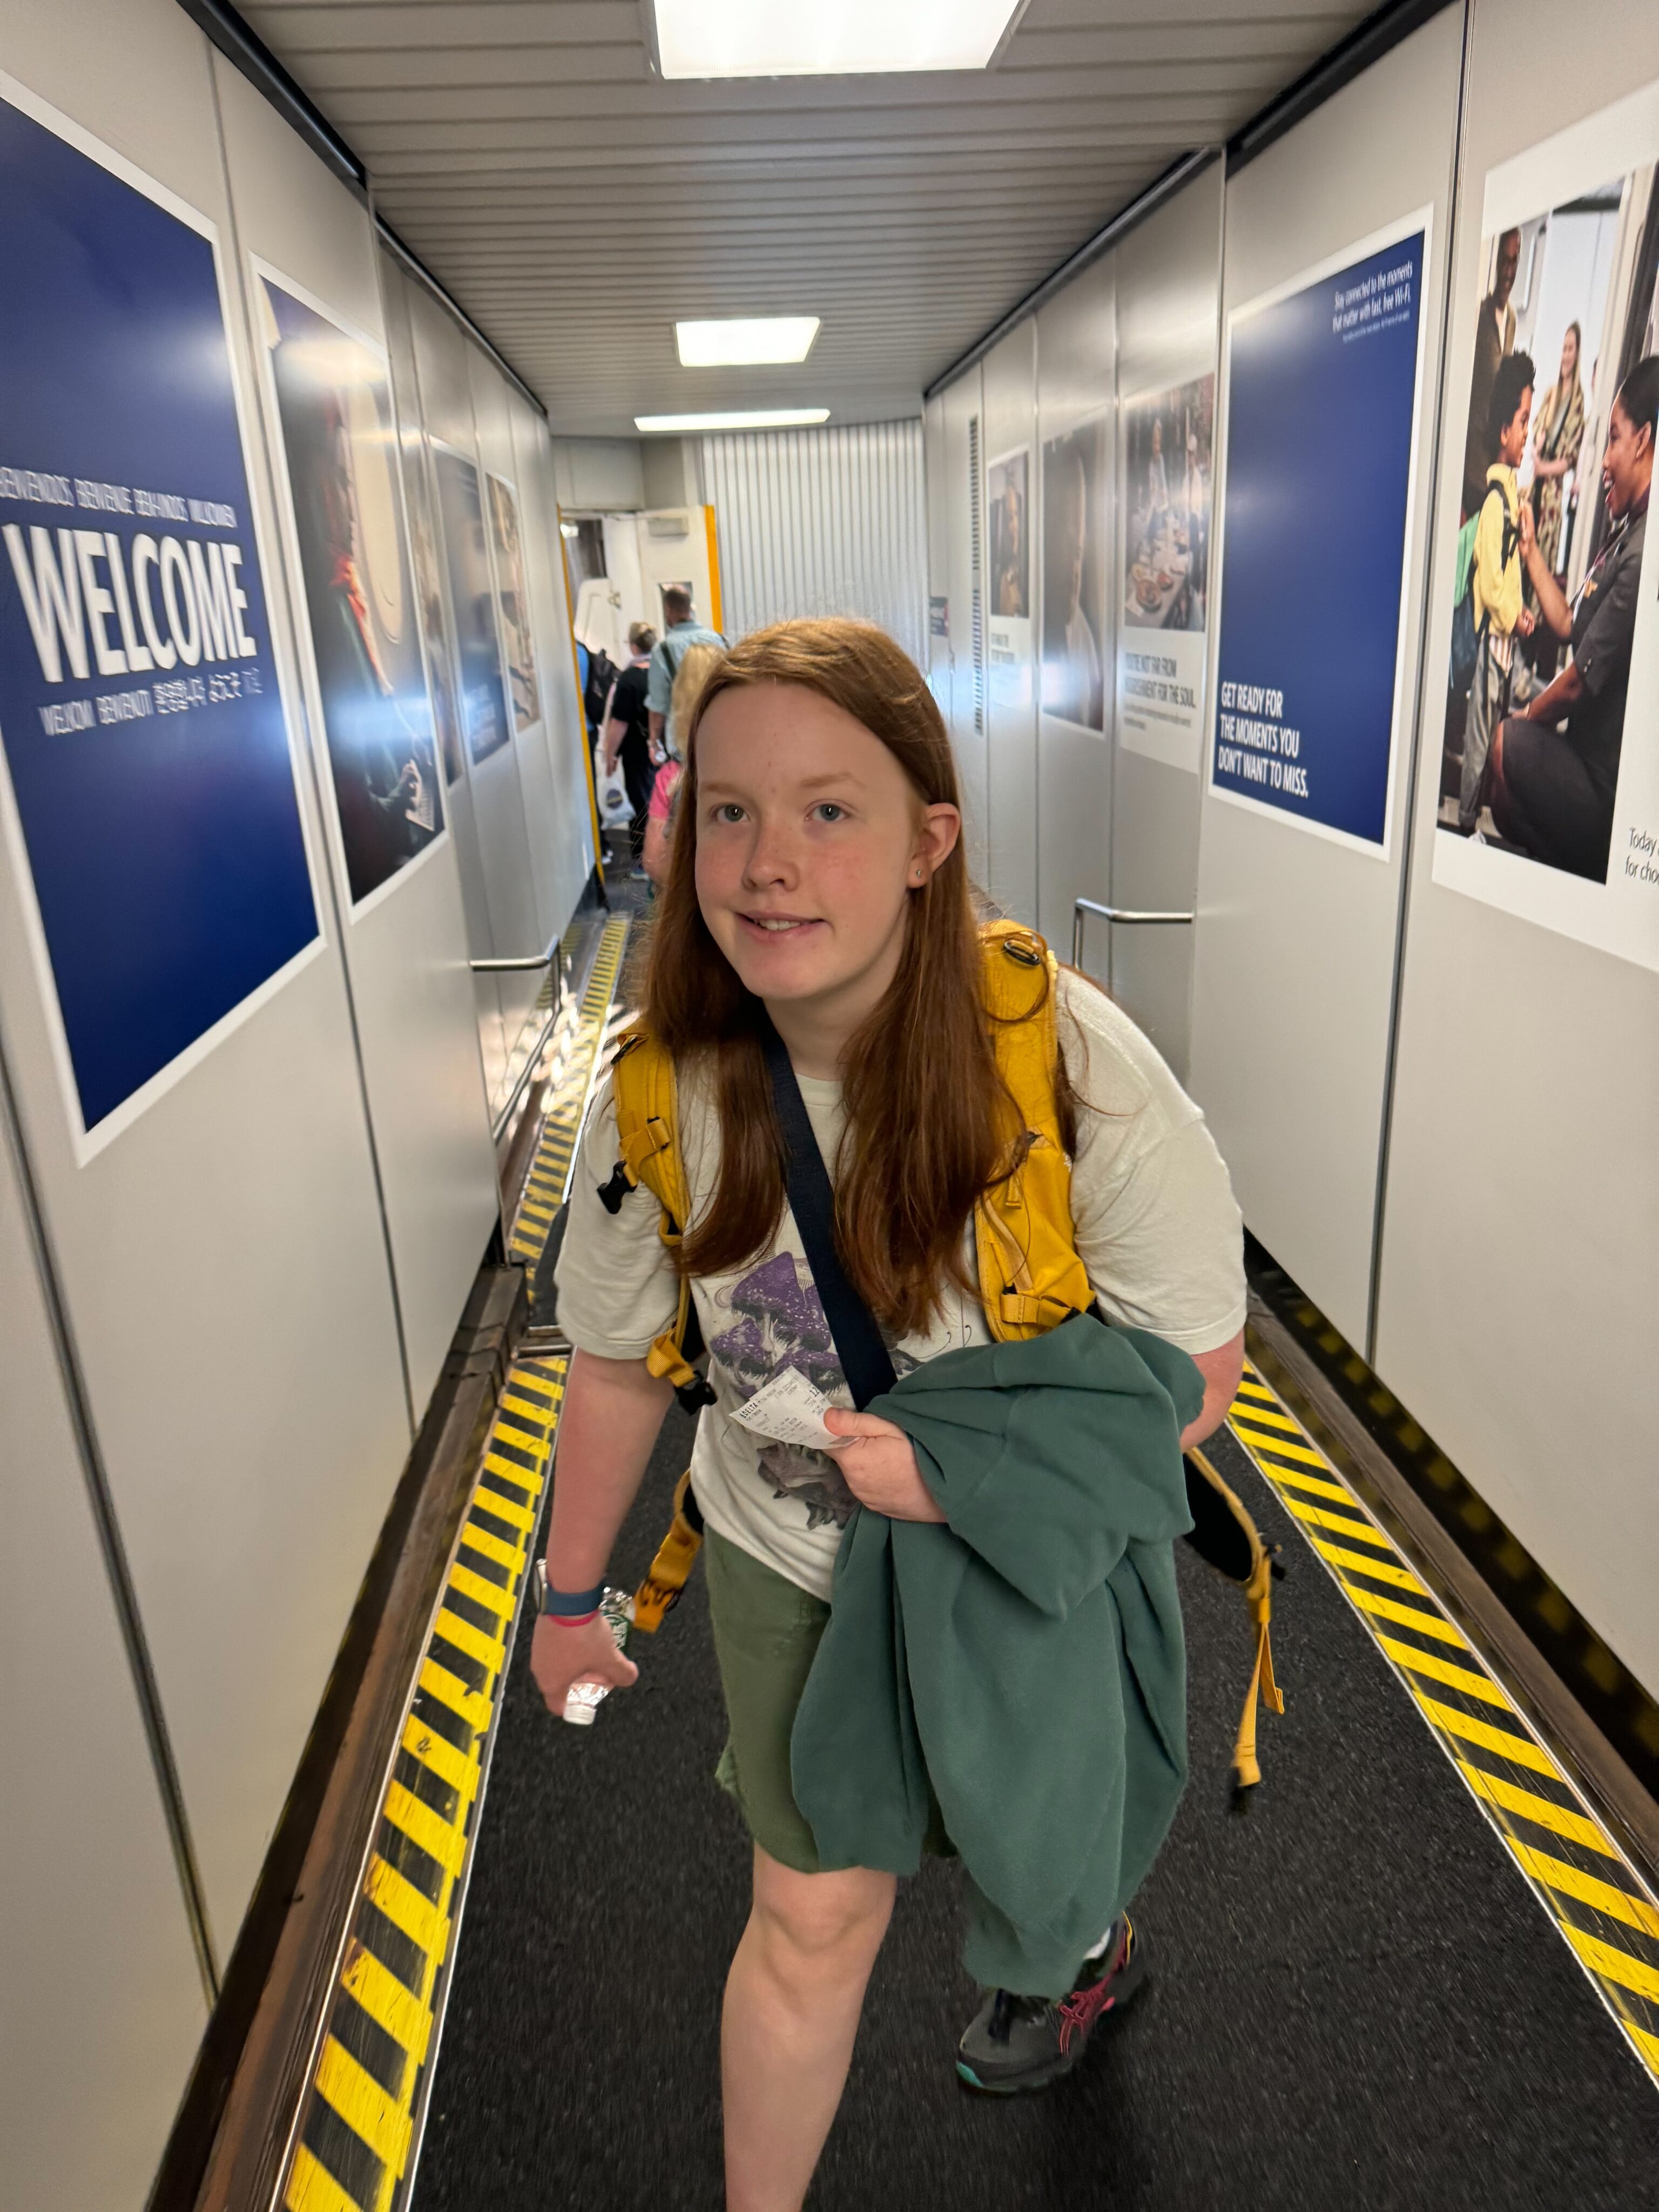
(1023, 1660)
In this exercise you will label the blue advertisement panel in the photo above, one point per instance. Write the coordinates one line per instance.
(472, 599)
(1320, 430)
(144, 732)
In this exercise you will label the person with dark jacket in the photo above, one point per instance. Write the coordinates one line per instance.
(628, 734)
(1554, 768)
(1494, 336)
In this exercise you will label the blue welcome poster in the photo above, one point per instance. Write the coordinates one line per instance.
(144, 737)
(1322, 382)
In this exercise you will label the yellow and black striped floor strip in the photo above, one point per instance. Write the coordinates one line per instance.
(359, 2124)
(574, 1057)
(1596, 1897)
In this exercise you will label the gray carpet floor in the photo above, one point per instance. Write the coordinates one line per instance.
(1354, 2001)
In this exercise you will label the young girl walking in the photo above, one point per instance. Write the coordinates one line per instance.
(816, 881)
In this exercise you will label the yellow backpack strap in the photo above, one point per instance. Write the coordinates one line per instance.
(1225, 1533)
(665, 1584)
(647, 1136)
(1030, 1277)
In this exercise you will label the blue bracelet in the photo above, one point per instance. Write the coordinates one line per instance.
(572, 1601)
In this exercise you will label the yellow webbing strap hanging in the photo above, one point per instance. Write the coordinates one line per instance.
(1030, 1277)
(670, 1571)
(647, 1135)
(1258, 1588)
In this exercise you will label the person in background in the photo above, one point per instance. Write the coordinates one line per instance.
(1557, 432)
(1494, 338)
(684, 631)
(1495, 579)
(1008, 561)
(1157, 480)
(698, 666)
(1553, 789)
(1195, 503)
(627, 735)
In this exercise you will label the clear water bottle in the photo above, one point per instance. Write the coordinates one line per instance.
(584, 1699)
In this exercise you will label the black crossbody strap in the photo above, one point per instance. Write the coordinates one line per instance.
(864, 1357)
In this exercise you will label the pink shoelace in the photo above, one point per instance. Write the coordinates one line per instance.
(1079, 2011)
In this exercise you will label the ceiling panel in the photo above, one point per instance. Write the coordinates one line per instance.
(576, 205)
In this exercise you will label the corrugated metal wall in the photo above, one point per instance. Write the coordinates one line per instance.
(823, 522)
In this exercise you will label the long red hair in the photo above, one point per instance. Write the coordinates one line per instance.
(923, 1099)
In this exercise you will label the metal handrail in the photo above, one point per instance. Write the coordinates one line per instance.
(527, 966)
(1130, 917)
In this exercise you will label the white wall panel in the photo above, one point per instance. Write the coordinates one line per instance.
(963, 492)
(822, 522)
(444, 359)
(1168, 301)
(1076, 349)
(420, 493)
(421, 501)
(1519, 1299)
(568, 851)
(938, 663)
(405, 944)
(1008, 429)
(224, 1257)
(103, 2002)
(493, 409)
(1294, 982)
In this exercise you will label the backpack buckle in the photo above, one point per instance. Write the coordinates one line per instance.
(612, 1193)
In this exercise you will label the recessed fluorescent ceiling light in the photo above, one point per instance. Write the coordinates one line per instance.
(738, 342)
(844, 37)
(755, 418)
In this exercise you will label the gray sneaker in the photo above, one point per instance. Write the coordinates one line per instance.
(1015, 2042)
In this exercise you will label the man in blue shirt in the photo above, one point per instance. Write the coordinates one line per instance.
(684, 631)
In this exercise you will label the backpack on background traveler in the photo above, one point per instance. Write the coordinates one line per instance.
(1031, 1278)
(1467, 636)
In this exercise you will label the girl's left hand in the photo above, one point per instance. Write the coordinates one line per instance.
(879, 1464)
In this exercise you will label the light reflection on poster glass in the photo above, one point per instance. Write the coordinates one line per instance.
(341, 451)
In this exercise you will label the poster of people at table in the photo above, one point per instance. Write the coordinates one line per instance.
(1322, 385)
(1548, 801)
(1076, 479)
(335, 410)
(1167, 476)
(471, 599)
(513, 596)
(149, 801)
(1008, 625)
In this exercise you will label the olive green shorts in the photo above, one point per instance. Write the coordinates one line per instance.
(767, 1631)
(765, 1635)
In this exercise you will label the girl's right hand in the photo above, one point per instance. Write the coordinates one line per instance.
(561, 1656)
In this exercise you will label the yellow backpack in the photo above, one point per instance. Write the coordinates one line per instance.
(1030, 1276)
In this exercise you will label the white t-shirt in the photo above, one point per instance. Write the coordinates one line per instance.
(1156, 1227)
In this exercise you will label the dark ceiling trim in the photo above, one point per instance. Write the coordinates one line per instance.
(248, 53)
(1179, 174)
(1368, 42)
(1380, 32)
